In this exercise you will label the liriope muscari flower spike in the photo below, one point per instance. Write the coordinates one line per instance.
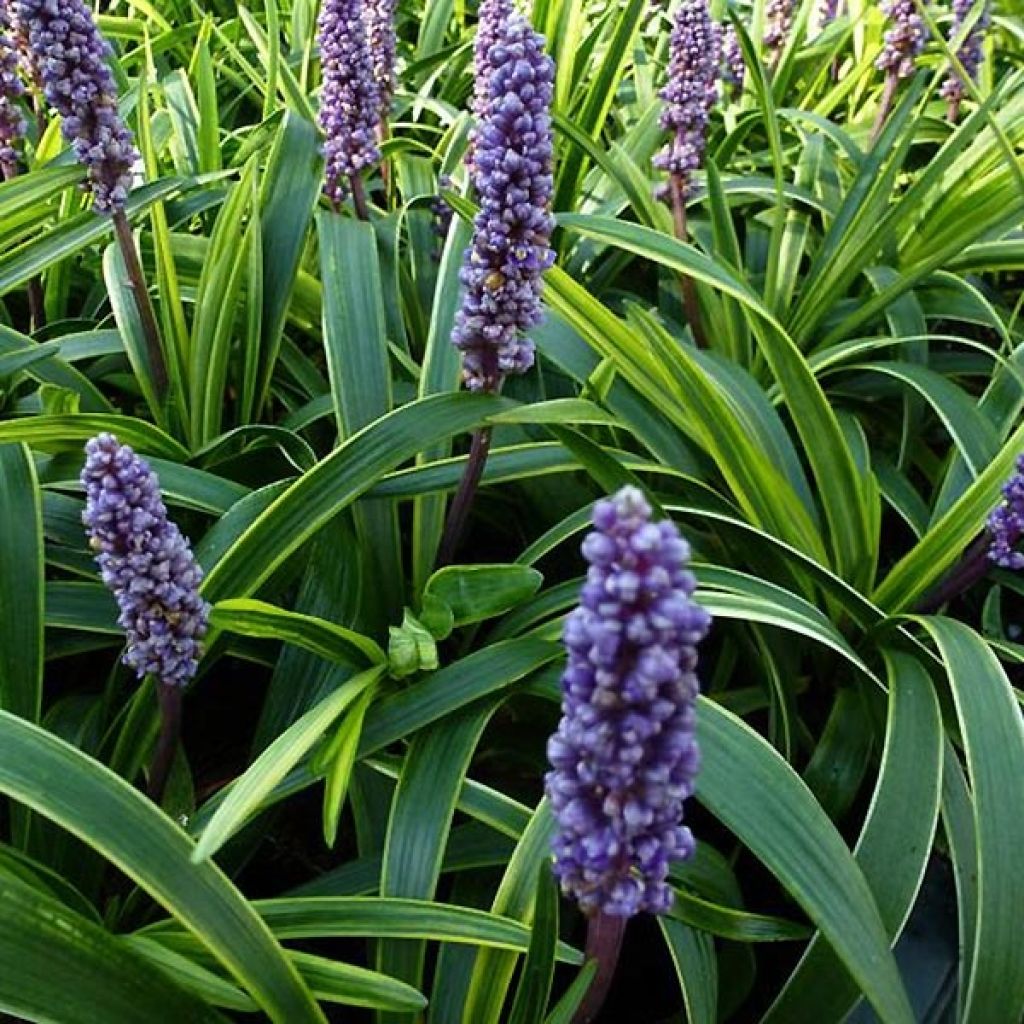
(970, 52)
(903, 41)
(625, 756)
(778, 15)
(12, 121)
(733, 67)
(691, 90)
(492, 17)
(1006, 523)
(379, 16)
(145, 561)
(350, 101)
(512, 178)
(69, 56)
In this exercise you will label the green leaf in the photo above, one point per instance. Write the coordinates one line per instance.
(478, 592)
(893, 847)
(69, 432)
(319, 495)
(693, 956)
(421, 817)
(101, 977)
(755, 794)
(355, 340)
(249, 617)
(538, 971)
(120, 823)
(247, 793)
(21, 584)
(993, 738)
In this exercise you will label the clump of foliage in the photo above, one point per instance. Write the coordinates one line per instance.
(750, 271)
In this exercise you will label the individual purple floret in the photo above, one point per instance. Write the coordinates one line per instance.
(350, 103)
(145, 561)
(379, 16)
(492, 18)
(12, 122)
(733, 67)
(625, 756)
(512, 178)
(70, 58)
(828, 11)
(691, 90)
(970, 53)
(778, 18)
(1006, 523)
(903, 41)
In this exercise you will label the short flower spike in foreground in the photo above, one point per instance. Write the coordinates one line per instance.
(904, 39)
(145, 561)
(70, 57)
(970, 53)
(625, 755)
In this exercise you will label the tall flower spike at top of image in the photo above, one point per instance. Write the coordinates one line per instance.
(733, 67)
(512, 178)
(145, 562)
(828, 11)
(12, 122)
(69, 56)
(904, 39)
(690, 91)
(1006, 523)
(625, 756)
(970, 53)
(778, 15)
(379, 16)
(350, 101)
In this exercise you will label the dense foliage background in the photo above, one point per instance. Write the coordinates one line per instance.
(354, 817)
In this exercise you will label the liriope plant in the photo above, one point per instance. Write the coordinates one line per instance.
(365, 740)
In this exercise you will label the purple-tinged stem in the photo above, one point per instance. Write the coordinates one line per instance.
(953, 111)
(359, 197)
(169, 698)
(972, 567)
(686, 283)
(892, 81)
(604, 941)
(143, 303)
(458, 513)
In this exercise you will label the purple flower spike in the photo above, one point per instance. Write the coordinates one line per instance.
(778, 15)
(350, 103)
(379, 16)
(492, 17)
(1006, 523)
(70, 58)
(624, 757)
(145, 561)
(12, 122)
(903, 41)
(970, 53)
(691, 90)
(733, 67)
(512, 165)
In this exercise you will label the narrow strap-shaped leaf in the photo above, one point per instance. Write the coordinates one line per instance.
(109, 815)
(752, 790)
(538, 970)
(993, 735)
(894, 843)
(693, 956)
(58, 966)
